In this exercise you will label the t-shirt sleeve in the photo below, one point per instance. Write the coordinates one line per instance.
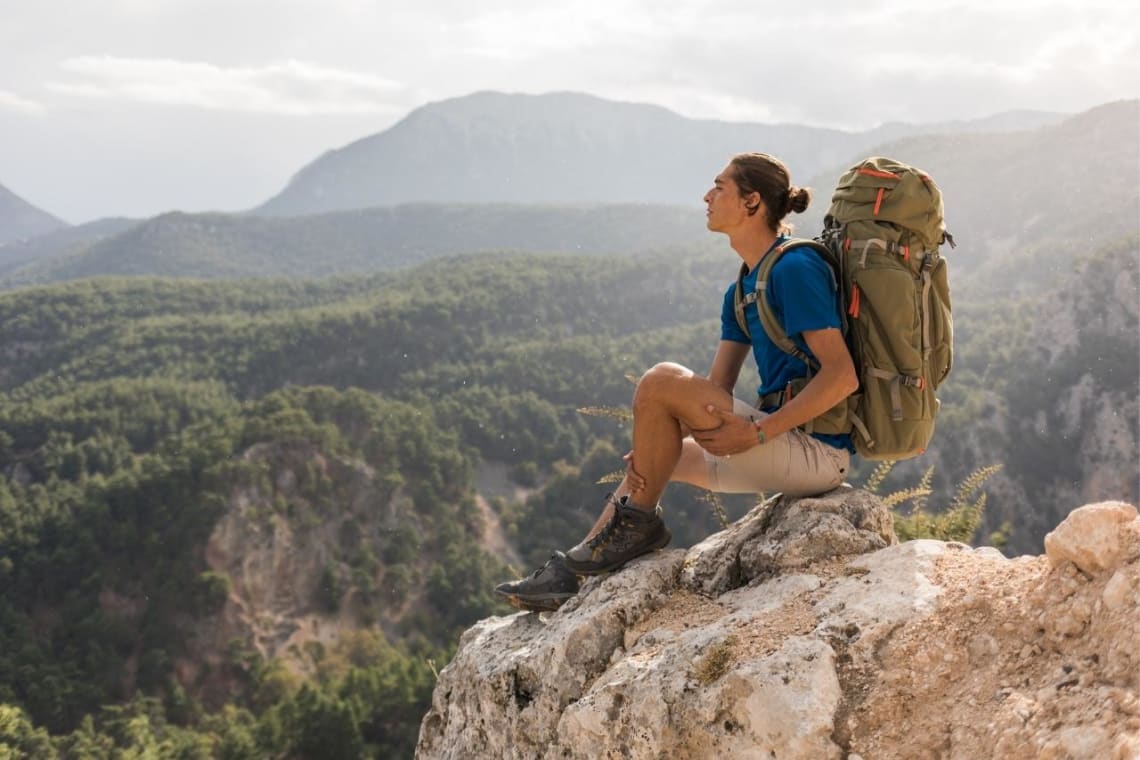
(802, 288)
(729, 328)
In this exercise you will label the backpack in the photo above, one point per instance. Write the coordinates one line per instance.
(880, 238)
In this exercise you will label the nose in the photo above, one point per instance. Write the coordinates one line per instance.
(706, 197)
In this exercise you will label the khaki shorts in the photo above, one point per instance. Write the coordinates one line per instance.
(793, 463)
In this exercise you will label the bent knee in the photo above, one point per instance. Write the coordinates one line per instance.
(659, 380)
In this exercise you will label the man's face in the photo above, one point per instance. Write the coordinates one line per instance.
(726, 209)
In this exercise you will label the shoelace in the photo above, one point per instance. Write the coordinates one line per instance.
(542, 569)
(606, 533)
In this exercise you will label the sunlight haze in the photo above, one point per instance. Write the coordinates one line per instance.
(127, 108)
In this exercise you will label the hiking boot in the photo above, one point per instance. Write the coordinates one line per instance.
(544, 590)
(630, 533)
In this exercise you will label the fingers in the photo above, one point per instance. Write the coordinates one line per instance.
(723, 414)
(733, 435)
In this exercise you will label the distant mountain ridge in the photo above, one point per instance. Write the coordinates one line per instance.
(567, 148)
(1045, 194)
(20, 220)
(362, 241)
(57, 243)
(1005, 198)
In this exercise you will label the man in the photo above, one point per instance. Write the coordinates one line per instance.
(690, 429)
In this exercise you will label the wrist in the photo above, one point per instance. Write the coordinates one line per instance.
(761, 436)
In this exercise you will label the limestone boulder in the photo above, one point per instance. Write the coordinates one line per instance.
(806, 631)
(1096, 537)
(784, 533)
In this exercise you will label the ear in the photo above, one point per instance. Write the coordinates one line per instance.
(752, 202)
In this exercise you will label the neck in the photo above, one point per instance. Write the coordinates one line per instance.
(751, 244)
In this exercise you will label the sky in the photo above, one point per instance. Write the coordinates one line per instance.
(137, 107)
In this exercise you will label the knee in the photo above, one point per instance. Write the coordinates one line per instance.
(660, 383)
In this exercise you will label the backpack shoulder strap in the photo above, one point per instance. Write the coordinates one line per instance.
(767, 315)
(742, 299)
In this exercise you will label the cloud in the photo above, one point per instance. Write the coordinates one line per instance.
(858, 66)
(10, 101)
(290, 87)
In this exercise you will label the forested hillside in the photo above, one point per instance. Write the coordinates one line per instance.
(343, 243)
(162, 442)
(57, 244)
(238, 517)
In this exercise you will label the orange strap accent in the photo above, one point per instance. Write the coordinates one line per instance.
(878, 201)
(847, 245)
(853, 310)
(877, 173)
(906, 252)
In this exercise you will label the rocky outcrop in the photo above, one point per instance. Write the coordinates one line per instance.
(806, 631)
(278, 544)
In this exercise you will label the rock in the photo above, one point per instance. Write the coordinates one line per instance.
(776, 705)
(1118, 591)
(1092, 537)
(1085, 742)
(504, 693)
(754, 644)
(982, 648)
(786, 532)
(1127, 748)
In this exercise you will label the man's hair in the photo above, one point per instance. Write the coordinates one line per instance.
(767, 175)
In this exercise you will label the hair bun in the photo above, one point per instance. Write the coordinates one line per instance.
(798, 199)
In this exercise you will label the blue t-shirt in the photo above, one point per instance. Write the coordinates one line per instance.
(803, 294)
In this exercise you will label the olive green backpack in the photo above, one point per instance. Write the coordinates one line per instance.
(881, 239)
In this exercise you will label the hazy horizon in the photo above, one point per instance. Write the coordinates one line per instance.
(130, 110)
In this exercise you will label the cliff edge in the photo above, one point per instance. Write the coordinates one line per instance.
(805, 630)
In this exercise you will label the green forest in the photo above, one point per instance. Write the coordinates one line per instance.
(160, 437)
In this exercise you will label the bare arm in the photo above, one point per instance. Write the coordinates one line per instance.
(727, 362)
(835, 380)
(723, 373)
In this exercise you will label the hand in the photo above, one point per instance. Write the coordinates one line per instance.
(734, 435)
(633, 478)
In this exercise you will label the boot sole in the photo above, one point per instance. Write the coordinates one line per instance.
(661, 543)
(544, 603)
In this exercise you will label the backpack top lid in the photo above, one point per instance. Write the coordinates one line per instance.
(879, 189)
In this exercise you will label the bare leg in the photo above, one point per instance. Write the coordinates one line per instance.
(691, 469)
(668, 395)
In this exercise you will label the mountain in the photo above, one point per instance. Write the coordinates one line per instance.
(554, 148)
(362, 241)
(1012, 226)
(1021, 205)
(1008, 121)
(20, 220)
(58, 243)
